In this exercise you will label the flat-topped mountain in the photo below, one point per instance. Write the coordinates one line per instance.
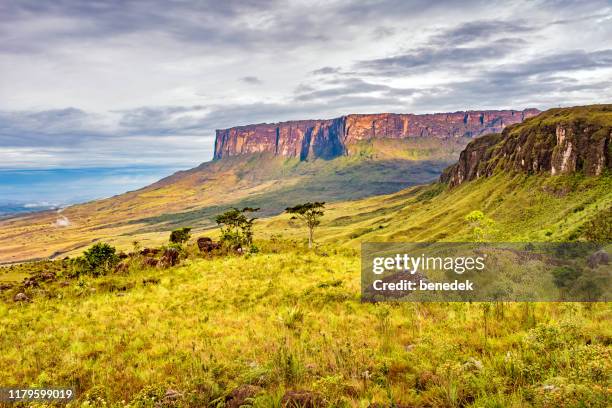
(558, 141)
(306, 139)
(271, 166)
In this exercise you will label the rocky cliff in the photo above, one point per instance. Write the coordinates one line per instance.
(558, 141)
(330, 138)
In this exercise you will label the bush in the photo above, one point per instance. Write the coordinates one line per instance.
(99, 259)
(180, 235)
(236, 227)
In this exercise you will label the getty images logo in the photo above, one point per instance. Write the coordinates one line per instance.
(414, 264)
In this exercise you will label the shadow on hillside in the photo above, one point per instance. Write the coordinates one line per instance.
(364, 179)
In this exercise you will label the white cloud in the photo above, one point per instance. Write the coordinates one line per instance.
(116, 83)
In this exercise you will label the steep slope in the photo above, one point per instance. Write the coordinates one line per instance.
(559, 141)
(548, 178)
(380, 154)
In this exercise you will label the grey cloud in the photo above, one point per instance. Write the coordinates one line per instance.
(252, 80)
(374, 10)
(481, 30)
(165, 120)
(542, 81)
(559, 62)
(200, 23)
(352, 87)
(326, 71)
(465, 59)
(437, 57)
(58, 127)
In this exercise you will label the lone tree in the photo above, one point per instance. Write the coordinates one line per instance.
(180, 235)
(310, 213)
(236, 227)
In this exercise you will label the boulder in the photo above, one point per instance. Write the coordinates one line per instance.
(149, 261)
(47, 276)
(302, 399)
(600, 257)
(171, 396)
(21, 297)
(149, 251)
(169, 258)
(30, 282)
(207, 245)
(242, 396)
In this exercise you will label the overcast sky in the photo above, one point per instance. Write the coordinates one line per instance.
(116, 83)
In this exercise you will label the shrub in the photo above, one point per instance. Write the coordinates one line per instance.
(99, 259)
(181, 235)
(236, 227)
(482, 227)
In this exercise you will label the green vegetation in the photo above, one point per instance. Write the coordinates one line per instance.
(180, 235)
(195, 197)
(286, 318)
(310, 214)
(236, 228)
(284, 324)
(99, 259)
(290, 319)
(481, 226)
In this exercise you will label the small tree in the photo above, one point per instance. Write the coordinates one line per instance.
(310, 213)
(180, 235)
(481, 225)
(236, 227)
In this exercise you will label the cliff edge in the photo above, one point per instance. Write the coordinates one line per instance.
(329, 138)
(558, 141)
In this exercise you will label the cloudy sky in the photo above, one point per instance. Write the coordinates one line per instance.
(112, 84)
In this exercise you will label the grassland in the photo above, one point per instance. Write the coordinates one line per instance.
(289, 319)
(285, 324)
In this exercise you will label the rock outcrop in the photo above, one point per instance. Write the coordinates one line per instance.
(329, 138)
(559, 141)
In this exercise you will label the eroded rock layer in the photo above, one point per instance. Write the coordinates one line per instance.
(329, 138)
(559, 141)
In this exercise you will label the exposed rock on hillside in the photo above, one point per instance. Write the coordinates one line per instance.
(329, 138)
(559, 141)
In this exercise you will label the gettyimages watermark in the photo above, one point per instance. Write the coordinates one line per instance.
(486, 272)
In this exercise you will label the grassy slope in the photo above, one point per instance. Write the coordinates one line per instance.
(536, 208)
(287, 318)
(195, 196)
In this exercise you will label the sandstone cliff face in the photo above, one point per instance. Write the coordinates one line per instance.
(559, 141)
(329, 138)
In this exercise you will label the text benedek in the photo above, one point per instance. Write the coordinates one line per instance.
(406, 285)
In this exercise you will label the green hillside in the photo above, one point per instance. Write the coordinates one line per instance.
(285, 323)
(279, 325)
